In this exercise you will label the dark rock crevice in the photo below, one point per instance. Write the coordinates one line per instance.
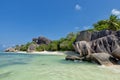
(102, 47)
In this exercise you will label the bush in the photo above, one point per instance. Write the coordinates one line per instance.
(42, 47)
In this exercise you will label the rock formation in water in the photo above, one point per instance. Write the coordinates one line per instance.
(10, 50)
(102, 47)
(41, 40)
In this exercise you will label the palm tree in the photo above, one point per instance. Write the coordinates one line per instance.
(101, 25)
(113, 23)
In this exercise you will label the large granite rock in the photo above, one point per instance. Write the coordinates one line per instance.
(84, 36)
(83, 48)
(103, 33)
(106, 42)
(10, 50)
(41, 40)
(32, 48)
(101, 58)
(72, 57)
(116, 53)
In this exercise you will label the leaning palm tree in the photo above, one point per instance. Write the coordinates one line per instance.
(101, 25)
(113, 23)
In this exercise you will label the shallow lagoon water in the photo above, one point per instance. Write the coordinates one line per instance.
(50, 67)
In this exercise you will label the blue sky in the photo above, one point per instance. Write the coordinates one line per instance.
(21, 20)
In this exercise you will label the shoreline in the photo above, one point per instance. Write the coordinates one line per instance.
(63, 53)
(45, 52)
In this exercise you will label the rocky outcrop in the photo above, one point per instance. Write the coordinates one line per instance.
(99, 46)
(32, 48)
(41, 40)
(116, 53)
(72, 57)
(101, 58)
(99, 34)
(83, 48)
(84, 36)
(10, 50)
(105, 44)
(38, 41)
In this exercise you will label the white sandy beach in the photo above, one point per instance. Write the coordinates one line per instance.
(47, 52)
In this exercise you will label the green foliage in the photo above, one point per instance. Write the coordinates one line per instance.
(113, 23)
(70, 36)
(42, 47)
(54, 46)
(101, 25)
(64, 44)
(17, 47)
(25, 47)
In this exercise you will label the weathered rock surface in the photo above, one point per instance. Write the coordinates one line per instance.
(41, 40)
(103, 33)
(32, 48)
(83, 48)
(105, 44)
(72, 57)
(84, 36)
(116, 53)
(10, 50)
(101, 58)
(99, 46)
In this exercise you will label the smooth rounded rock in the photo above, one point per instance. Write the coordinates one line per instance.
(72, 58)
(101, 58)
(116, 53)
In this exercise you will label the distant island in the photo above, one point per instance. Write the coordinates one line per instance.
(100, 44)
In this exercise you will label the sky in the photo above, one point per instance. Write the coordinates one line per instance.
(22, 20)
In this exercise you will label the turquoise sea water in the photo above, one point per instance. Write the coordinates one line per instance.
(50, 67)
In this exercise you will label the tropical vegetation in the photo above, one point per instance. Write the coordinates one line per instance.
(113, 23)
(65, 44)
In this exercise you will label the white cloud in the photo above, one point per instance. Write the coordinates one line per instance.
(86, 27)
(115, 12)
(77, 7)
